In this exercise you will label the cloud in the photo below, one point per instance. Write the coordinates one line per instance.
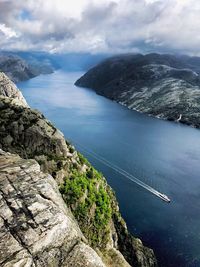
(95, 26)
(7, 32)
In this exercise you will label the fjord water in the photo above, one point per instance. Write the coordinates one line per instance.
(165, 155)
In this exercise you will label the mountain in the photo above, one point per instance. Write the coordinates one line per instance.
(20, 68)
(164, 86)
(40, 62)
(15, 68)
(56, 209)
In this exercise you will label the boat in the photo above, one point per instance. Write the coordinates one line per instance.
(164, 197)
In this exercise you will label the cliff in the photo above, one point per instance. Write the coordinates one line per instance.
(164, 86)
(37, 227)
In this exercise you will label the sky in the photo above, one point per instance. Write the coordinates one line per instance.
(101, 26)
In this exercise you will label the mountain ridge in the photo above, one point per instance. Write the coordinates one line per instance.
(164, 86)
(19, 68)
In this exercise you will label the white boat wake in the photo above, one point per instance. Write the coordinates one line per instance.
(123, 172)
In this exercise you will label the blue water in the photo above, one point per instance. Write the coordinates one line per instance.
(163, 154)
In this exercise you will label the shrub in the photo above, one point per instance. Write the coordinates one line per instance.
(83, 160)
(71, 149)
(90, 203)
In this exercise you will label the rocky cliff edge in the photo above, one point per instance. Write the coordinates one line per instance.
(37, 227)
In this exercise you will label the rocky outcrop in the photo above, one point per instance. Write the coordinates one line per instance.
(28, 133)
(9, 89)
(164, 86)
(92, 202)
(36, 227)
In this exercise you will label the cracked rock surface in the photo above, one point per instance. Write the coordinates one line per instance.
(36, 227)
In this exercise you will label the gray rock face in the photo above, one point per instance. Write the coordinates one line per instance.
(163, 86)
(27, 132)
(36, 227)
(9, 89)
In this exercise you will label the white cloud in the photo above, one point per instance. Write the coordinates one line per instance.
(101, 26)
(8, 32)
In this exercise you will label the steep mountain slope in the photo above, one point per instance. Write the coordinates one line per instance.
(164, 86)
(36, 227)
(85, 191)
(20, 69)
(40, 62)
(16, 68)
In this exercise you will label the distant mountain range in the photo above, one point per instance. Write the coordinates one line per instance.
(26, 66)
(164, 86)
(21, 66)
(16, 68)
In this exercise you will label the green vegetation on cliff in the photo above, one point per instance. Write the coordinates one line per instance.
(86, 194)
(94, 205)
